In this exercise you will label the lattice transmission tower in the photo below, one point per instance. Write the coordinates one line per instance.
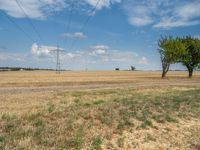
(57, 51)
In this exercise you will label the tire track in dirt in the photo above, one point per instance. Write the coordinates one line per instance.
(16, 90)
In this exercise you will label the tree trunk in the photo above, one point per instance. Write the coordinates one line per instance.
(190, 73)
(165, 70)
(164, 74)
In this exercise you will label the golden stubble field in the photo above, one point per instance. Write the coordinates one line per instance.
(99, 110)
(49, 78)
(23, 91)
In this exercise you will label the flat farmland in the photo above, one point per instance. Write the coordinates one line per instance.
(99, 110)
(49, 78)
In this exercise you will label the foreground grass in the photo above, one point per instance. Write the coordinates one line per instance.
(102, 119)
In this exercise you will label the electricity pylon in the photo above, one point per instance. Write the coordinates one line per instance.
(58, 50)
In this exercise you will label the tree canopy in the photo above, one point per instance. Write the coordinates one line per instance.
(191, 56)
(184, 50)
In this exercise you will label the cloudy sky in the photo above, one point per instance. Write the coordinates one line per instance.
(92, 34)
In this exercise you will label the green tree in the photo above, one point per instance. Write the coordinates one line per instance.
(191, 56)
(170, 50)
(133, 68)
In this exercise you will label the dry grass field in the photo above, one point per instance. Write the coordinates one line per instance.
(119, 110)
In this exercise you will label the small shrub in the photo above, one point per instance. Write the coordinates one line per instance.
(150, 138)
(98, 102)
(96, 143)
(105, 115)
(86, 104)
(125, 117)
(146, 123)
(159, 118)
(77, 100)
(74, 143)
(9, 127)
(51, 107)
(34, 116)
(77, 141)
(2, 139)
(123, 124)
(8, 117)
(120, 142)
(38, 132)
(38, 123)
(170, 119)
(196, 106)
(109, 146)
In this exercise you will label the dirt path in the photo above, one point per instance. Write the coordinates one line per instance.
(15, 90)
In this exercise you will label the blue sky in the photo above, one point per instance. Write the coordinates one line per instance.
(119, 33)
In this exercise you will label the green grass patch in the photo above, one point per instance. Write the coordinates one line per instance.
(96, 143)
(2, 138)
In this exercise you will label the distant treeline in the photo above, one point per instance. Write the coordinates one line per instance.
(22, 68)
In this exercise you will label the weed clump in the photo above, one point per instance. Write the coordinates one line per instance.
(51, 107)
(96, 143)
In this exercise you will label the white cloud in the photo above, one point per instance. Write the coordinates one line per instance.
(71, 55)
(98, 50)
(12, 56)
(189, 10)
(137, 21)
(170, 23)
(40, 9)
(143, 61)
(138, 13)
(43, 51)
(102, 3)
(76, 35)
(158, 13)
(36, 9)
(104, 58)
(184, 15)
(103, 54)
(163, 14)
(96, 47)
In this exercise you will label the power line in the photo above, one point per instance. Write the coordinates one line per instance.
(86, 21)
(70, 17)
(48, 5)
(19, 27)
(50, 8)
(29, 20)
(90, 16)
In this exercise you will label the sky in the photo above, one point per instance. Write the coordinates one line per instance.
(92, 34)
